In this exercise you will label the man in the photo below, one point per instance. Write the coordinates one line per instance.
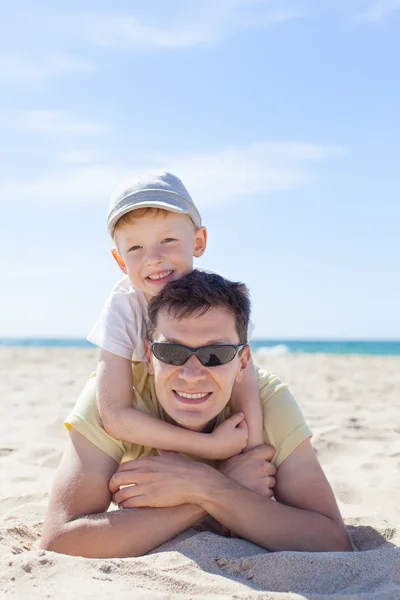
(196, 351)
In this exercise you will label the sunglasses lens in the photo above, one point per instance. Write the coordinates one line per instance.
(171, 354)
(214, 356)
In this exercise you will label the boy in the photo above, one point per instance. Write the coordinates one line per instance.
(157, 230)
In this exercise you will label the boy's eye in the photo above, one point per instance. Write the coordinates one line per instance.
(134, 248)
(169, 240)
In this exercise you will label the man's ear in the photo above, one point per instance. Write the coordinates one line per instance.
(119, 260)
(149, 355)
(200, 242)
(244, 358)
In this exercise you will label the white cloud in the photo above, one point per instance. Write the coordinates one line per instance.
(209, 26)
(173, 25)
(81, 185)
(260, 168)
(24, 69)
(48, 121)
(379, 10)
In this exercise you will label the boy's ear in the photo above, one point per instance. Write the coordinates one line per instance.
(149, 355)
(200, 242)
(244, 360)
(119, 260)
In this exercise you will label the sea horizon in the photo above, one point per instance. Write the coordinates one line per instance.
(261, 345)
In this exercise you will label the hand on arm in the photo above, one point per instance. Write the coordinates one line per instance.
(76, 521)
(124, 422)
(305, 516)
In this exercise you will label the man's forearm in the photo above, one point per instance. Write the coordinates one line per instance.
(122, 533)
(268, 523)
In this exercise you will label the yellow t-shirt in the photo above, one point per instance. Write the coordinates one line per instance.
(284, 424)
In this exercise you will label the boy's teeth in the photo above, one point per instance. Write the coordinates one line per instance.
(160, 275)
(192, 396)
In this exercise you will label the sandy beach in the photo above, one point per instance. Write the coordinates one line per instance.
(352, 405)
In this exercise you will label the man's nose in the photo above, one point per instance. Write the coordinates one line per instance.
(192, 370)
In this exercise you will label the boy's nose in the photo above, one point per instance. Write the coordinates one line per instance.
(154, 258)
(192, 370)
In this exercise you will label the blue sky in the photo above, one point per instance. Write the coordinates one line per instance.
(282, 119)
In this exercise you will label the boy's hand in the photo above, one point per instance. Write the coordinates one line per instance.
(230, 437)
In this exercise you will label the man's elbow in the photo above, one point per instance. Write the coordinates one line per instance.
(63, 541)
(340, 541)
(57, 542)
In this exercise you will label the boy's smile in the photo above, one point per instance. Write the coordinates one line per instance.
(157, 248)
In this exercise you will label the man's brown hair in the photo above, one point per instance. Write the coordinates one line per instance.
(195, 294)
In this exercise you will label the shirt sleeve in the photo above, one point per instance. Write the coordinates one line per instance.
(121, 328)
(85, 418)
(284, 425)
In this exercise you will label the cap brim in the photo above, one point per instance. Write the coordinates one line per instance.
(143, 204)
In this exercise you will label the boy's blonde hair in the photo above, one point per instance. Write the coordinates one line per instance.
(131, 216)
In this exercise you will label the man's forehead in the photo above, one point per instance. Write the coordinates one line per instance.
(216, 326)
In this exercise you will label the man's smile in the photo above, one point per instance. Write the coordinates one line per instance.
(191, 398)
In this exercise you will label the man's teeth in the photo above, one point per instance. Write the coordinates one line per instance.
(192, 396)
(160, 275)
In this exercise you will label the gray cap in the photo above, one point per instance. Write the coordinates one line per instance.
(151, 190)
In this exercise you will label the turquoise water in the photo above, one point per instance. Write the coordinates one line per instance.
(377, 348)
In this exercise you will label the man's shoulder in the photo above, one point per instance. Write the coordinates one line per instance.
(269, 383)
(86, 419)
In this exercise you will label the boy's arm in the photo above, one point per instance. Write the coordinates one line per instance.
(246, 398)
(124, 422)
(76, 522)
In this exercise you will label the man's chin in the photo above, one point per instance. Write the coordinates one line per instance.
(192, 422)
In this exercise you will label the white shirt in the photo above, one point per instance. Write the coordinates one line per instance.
(121, 327)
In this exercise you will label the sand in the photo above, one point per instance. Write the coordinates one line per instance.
(351, 403)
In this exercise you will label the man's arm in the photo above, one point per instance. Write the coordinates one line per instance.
(76, 521)
(305, 516)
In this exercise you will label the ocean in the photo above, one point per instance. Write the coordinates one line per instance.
(366, 347)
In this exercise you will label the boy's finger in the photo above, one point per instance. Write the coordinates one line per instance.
(236, 418)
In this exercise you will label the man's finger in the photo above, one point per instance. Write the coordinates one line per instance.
(265, 451)
(125, 493)
(131, 465)
(136, 502)
(126, 478)
(167, 452)
(270, 469)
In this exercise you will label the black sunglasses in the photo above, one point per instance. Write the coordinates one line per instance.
(209, 356)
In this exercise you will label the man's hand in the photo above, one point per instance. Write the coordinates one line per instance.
(253, 469)
(159, 481)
